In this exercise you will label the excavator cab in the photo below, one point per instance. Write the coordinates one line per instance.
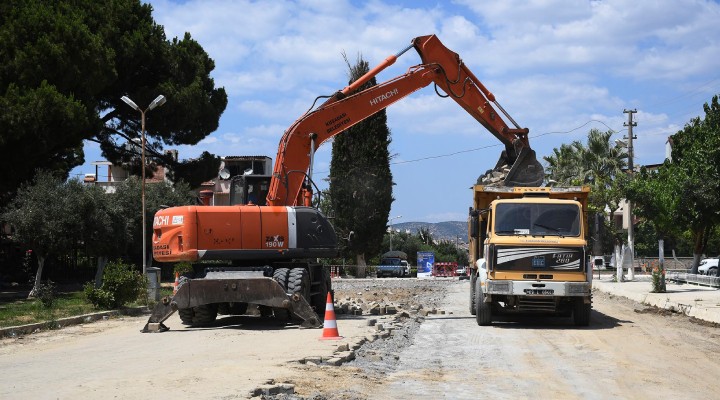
(249, 189)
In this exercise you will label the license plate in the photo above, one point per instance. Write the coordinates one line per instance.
(539, 291)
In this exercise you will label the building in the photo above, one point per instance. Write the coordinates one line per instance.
(230, 167)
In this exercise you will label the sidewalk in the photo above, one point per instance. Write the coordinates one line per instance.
(701, 302)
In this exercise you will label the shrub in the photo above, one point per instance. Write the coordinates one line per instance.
(46, 293)
(121, 285)
(182, 268)
(658, 279)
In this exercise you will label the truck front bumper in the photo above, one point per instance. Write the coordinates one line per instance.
(539, 288)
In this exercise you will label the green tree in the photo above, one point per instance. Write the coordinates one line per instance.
(360, 178)
(127, 204)
(47, 215)
(685, 192)
(64, 66)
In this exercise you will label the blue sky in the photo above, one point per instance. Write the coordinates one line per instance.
(559, 67)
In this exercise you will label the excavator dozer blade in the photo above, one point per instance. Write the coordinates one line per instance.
(263, 291)
(526, 171)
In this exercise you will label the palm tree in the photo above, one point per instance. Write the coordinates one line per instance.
(597, 164)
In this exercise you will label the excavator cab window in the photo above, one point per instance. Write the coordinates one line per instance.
(249, 189)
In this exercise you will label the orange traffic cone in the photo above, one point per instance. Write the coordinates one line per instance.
(330, 331)
(177, 282)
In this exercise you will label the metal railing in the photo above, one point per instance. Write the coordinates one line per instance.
(703, 280)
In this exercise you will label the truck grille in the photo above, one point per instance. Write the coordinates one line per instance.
(536, 304)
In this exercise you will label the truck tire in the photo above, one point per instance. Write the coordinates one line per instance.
(483, 310)
(281, 275)
(473, 309)
(581, 312)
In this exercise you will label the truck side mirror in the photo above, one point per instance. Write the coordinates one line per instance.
(475, 226)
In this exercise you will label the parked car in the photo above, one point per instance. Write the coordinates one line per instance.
(708, 266)
(462, 272)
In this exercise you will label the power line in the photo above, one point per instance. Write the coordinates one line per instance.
(494, 145)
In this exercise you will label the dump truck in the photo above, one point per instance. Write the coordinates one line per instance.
(265, 249)
(528, 252)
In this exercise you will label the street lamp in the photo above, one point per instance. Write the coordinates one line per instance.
(391, 228)
(160, 100)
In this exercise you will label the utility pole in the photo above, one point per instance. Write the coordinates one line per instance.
(631, 233)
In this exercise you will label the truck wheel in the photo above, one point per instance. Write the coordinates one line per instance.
(483, 311)
(473, 310)
(281, 276)
(581, 313)
(186, 315)
(205, 314)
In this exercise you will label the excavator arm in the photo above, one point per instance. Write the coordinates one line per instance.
(349, 107)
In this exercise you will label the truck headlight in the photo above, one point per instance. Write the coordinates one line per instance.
(499, 287)
(579, 288)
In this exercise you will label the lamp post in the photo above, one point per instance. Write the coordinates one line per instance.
(391, 228)
(160, 100)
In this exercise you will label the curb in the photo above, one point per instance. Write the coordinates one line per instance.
(14, 331)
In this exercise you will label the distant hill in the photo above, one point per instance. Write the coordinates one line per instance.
(449, 230)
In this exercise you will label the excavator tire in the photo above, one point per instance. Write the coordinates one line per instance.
(281, 276)
(186, 315)
(318, 301)
(232, 308)
(205, 314)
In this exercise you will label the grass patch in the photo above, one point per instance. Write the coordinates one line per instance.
(30, 311)
(70, 304)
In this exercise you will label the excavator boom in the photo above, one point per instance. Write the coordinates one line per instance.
(349, 106)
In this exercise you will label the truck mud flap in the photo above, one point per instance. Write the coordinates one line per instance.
(526, 171)
(263, 291)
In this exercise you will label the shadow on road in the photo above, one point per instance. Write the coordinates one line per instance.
(598, 321)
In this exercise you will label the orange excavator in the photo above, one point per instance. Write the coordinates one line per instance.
(271, 240)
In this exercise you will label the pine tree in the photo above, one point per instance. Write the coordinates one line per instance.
(360, 178)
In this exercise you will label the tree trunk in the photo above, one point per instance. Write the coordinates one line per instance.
(696, 261)
(597, 235)
(698, 247)
(661, 265)
(618, 263)
(361, 266)
(101, 261)
(38, 276)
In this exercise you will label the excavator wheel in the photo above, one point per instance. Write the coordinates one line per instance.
(281, 276)
(299, 282)
(205, 314)
(186, 315)
(318, 301)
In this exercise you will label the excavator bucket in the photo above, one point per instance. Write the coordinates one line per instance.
(263, 291)
(526, 171)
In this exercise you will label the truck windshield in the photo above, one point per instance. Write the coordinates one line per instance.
(537, 219)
